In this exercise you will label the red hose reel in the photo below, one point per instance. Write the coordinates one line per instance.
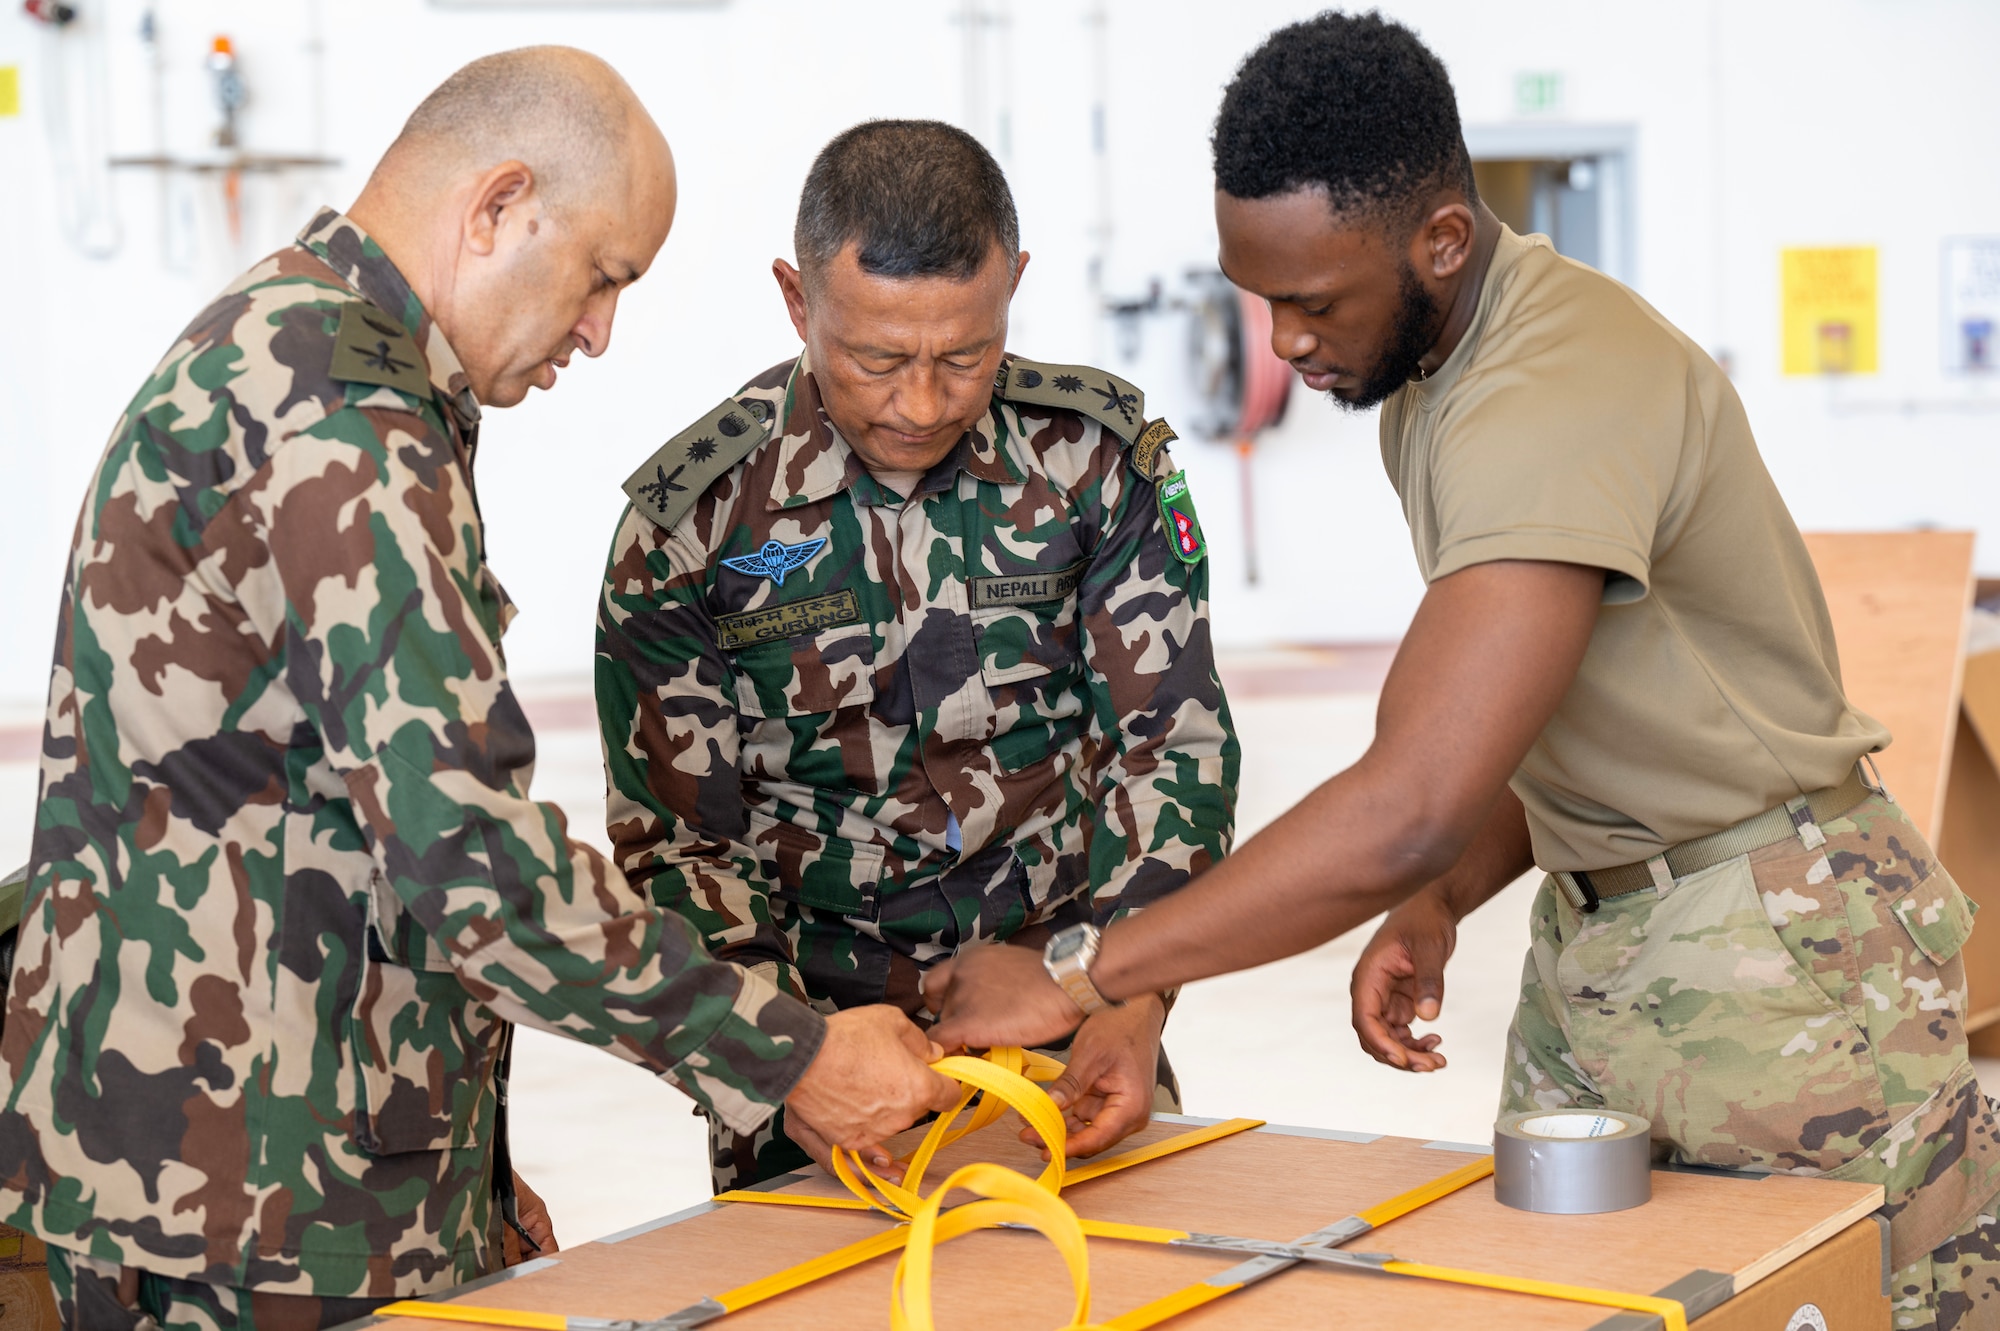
(1244, 386)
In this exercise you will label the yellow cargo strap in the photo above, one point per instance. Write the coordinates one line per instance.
(1009, 1074)
(1011, 1199)
(1277, 1257)
(1669, 1311)
(458, 1312)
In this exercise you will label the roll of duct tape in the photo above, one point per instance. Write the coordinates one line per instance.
(1572, 1161)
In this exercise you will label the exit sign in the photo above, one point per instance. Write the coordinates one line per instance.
(1538, 93)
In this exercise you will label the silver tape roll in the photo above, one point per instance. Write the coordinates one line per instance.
(1572, 1161)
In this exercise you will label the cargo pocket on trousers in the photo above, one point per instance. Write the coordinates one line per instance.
(1937, 914)
(1691, 1010)
(425, 1052)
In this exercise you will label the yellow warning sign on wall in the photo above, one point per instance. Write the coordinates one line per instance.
(1829, 304)
(10, 90)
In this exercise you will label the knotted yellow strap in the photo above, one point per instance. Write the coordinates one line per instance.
(1011, 1200)
(1005, 1078)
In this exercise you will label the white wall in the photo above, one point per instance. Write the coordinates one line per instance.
(1757, 126)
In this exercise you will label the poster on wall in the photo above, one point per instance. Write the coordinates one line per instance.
(1970, 302)
(1829, 310)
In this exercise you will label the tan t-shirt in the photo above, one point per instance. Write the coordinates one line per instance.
(1575, 424)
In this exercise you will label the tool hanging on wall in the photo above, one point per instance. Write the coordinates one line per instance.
(226, 160)
(76, 115)
(1243, 385)
(230, 94)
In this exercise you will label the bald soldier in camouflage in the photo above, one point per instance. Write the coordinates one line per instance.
(288, 890)
(904, 647)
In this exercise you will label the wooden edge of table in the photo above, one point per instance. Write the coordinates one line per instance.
(1786, 1253)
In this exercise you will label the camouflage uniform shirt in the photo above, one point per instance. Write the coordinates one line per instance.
(849, 732)
(288, 888)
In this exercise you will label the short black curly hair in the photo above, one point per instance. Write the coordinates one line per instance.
(920, 198)
(1353, 104)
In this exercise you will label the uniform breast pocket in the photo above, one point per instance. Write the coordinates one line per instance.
(803, 704)
(1031, 658)
(807, 675)
(1026, 624)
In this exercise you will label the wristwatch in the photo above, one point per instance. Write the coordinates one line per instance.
(1068, 957)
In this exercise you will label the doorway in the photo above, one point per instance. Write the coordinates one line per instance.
(1570, 183)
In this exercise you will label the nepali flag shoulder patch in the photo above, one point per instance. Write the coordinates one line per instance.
(1183, 528)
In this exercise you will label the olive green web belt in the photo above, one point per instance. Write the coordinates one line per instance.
(1004, 1079)
(1798, 817)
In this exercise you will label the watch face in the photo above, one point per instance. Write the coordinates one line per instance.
(1066, 945)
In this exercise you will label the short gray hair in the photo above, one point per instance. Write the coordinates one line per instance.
(563, 112)
(919, 198)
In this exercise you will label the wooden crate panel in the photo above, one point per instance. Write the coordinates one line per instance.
(1266, 1184)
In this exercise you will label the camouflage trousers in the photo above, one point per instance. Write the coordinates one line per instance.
(97, 1295)
(740, 1159)
(1794, 1010)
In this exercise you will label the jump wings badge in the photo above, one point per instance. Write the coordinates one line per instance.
(775, 559)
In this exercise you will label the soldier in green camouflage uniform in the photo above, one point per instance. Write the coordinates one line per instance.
(288, 890)
(318, 867)
(850, 731)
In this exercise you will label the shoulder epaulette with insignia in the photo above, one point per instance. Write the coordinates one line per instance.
(1098, 394)
(667, 483)
(371, 347)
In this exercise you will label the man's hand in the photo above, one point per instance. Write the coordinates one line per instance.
(1400, 979)
(1107, 1093)
(534, 1215)
(998, 996)
(808, 1139)
(869, 1080)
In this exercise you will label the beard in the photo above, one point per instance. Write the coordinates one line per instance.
(1410, 336)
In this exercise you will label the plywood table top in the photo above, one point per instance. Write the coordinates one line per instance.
(1273, 1183)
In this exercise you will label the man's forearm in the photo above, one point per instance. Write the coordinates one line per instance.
(1488, 657)
(1288, 865)
(1270, 899)
(1497, 856)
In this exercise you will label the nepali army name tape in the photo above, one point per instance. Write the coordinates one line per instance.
(1572, 1161)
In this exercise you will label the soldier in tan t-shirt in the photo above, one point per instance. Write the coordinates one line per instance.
(1622, 671)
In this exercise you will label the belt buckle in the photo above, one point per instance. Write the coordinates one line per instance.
(1580, 891)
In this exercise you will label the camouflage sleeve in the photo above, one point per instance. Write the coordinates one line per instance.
(1166, 806)
(676, 815)
(377, 583)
